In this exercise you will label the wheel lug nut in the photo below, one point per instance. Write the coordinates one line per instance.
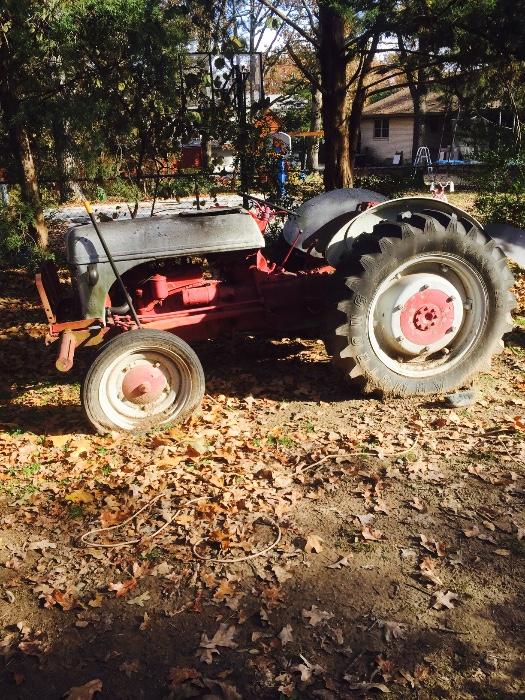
(450, 299)
(467, 304)
(444, 269)
(399, 307)
(422, 289)
(399, 338)
(451, 329)
(445, 351)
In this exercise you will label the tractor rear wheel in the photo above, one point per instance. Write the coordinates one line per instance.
(141, 380)
(421, 306)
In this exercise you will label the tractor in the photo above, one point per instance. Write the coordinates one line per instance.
(410, 295)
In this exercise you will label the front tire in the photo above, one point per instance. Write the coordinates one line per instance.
(422, 305)
(141, 380)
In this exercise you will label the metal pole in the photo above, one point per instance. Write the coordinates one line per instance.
(89, 209)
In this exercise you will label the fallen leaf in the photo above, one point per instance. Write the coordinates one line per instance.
(370, 534)
(428, 570)
(444, 600)
(472, 531)
(80, 496)
(285, 635)
(281, 574)
(222, 638)
(418, 504)
(65, 600)
(31, 647)
(130, 667)
(177, 675)
(315, 616)
(502, 552)
(84, 692)
(57, 440)
(393, 630)
(96, 602)
(123, 588)
(41, 545)
(341, 562)
(144, 625)
(519, 423)
(140, 599)
(313, 544)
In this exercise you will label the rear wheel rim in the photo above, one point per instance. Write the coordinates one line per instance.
(397, 325)
(128, 405)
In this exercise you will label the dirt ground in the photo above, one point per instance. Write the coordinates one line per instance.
(394, 533)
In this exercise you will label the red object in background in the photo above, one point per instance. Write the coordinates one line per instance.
(191, 157)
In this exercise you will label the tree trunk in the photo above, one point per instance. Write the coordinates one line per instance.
(64, 160)
(29, 185)
(312, 142)
(25, 165)
(206, 152)
(333, 67)
(417, 130)
(354, 123)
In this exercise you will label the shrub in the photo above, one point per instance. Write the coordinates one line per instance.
(390, 185)
(502, 207)
(17, 248)
(501, 197)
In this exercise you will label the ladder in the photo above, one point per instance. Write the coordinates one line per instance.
(423, 157)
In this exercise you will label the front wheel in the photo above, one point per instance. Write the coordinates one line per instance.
(422, 307)
(141, 380)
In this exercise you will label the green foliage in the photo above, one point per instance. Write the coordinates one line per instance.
(502, 207)
(17, 247)
(390, 185)
(501, 188)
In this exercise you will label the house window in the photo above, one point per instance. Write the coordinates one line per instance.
(381, 128)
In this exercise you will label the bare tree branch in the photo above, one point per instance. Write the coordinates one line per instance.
(308, 74)
(290, 22)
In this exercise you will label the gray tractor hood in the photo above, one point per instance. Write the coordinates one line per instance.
(187, 233)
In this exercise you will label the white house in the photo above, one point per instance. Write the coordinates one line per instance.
(387, 128)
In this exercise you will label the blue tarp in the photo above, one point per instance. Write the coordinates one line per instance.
(451, 162)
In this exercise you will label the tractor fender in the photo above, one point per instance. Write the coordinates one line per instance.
(319, 219)
(341, 243)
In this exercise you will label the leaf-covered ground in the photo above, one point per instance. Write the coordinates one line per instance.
(394, 533)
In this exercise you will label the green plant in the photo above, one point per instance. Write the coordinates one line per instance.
(17, 247)
(390, 185)
(75, 511)
(502, 186)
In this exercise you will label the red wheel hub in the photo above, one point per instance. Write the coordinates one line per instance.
(427, 316)
(143, 384)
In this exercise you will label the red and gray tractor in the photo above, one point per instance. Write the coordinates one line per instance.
(410, 295)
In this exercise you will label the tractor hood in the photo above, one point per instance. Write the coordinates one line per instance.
(188, 233)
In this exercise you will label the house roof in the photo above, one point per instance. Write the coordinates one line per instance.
(400, 104)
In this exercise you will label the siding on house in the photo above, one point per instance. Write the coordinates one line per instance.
(399, 139)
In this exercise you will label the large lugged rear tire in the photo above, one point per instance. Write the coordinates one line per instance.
(141, 380)
(421, 306)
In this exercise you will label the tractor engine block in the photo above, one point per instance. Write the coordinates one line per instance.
(187, 287)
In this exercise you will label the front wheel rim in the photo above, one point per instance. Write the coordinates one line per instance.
(427, 315)
(129, 403)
